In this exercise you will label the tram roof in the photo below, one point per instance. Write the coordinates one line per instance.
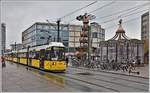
(38, 48)
(59, 44)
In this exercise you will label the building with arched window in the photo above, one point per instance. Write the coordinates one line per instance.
(121, 48)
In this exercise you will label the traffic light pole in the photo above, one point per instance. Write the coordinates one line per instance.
(58, 24)
(89, 44)
(15, 46)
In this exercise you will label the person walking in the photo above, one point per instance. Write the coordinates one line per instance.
(133, 64)
(67, 61)
(3, 61)
(130, 69)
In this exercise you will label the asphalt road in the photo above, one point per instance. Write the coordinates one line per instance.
(19, 78)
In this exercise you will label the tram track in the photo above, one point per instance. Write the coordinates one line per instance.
(140, 89)
(88, 82)
(67, 77)
(114, 83)
(71, 82)
(101, 80)
(116, 77)
(40, 73)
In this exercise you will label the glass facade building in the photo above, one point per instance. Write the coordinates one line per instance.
(3, 38)
(145, 35)
(43, 33)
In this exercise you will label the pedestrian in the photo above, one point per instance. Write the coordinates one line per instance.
(130, 68)
(42, 61)
(139, 61)
(133, 64)
(124, 66)
(67, 61)
(3, 61)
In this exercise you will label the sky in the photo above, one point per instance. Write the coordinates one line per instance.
(19, 15)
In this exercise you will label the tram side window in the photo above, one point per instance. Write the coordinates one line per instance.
(34, 55)
(24, 54)
(13, 55)
(30, 54)
(10, 55)
(60, 54)
(42, 53)
(18, 54)
(37, 55)
(47, 55)
(53, 54)
(57, 53)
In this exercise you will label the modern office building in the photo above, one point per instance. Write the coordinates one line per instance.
(145, 26)
(42, 33)
(98, 34)
(145, 35)
(74, 35)
(3, 38)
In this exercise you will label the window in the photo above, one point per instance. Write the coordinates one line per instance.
(65, 43)
(33, 38)
(75, 28)
(77, 33)
(64, 28)
(71, 39)
(71, 33)
(42, 37)
(57, 53)
(46, 27)
(94, 35)
(39, 26)
(65, 34)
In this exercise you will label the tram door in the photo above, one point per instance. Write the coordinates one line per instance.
(42, 58)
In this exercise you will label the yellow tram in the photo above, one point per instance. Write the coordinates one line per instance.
(49, 57)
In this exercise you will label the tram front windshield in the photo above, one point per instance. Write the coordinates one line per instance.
(57, 53)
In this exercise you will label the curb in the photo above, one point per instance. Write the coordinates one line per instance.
(112, 72)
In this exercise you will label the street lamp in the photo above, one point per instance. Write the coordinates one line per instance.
(28, 55)
(58, 28)
(48, 39)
